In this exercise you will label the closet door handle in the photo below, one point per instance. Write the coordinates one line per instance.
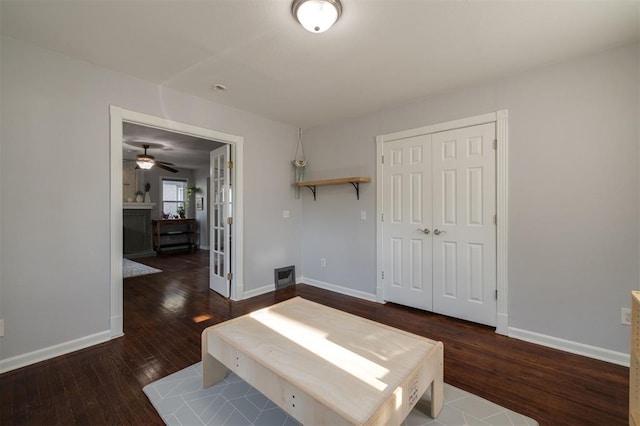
(426, 231)
(438, 232)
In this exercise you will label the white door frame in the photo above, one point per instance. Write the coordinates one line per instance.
(119, 115)
(502, 177)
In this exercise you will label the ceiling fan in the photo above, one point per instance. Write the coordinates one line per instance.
(146, 161)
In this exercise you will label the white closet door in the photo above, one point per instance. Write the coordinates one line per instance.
(407, 222)
(464, 234)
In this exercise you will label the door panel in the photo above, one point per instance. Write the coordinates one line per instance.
(449, 201)
(220, 209)
(450, 269)
(464, 254)
(407, 210)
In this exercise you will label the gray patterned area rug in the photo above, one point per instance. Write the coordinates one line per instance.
(135, 269)
(180, 400)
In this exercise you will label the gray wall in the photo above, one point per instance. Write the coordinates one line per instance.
(54, 269)
(573, 231)
(573, 193)
(201, 179)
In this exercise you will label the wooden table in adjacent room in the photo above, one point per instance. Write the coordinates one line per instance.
(325, 366)
(172, 233)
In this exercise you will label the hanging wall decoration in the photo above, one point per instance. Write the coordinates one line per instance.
(299, 163)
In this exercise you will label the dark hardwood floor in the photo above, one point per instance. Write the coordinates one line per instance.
(165, 313)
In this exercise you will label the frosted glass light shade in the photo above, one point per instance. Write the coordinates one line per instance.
(317, 16)
(144, 163)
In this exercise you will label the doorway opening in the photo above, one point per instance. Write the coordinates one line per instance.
(119, 116)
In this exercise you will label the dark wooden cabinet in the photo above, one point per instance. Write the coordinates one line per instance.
(174, 234)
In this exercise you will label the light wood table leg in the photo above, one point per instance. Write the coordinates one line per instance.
(437, 386)
(213, 371)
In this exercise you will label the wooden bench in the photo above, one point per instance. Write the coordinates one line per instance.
(325, 366)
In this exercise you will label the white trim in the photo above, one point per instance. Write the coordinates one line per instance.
(119, 115)
(54, 351)
(577, 348)
(266, 289)
(237, 259)
(502, 321)
(138, 206)
(116, 117)
(117, 323)
(380, 297)
(502, 201)
(340, 289)
(502, 229)
(259, 291)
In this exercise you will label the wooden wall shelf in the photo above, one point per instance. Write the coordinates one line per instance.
(355, 181)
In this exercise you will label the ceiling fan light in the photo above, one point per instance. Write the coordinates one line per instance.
(317, 16)
(144, 162)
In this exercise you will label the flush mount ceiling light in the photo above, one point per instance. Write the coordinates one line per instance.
(316, 16)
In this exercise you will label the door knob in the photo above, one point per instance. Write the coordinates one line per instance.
(425, 230)
(438, 232)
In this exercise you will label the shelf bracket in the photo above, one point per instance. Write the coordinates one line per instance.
(313, 189)
(354, 181)
(356, 185)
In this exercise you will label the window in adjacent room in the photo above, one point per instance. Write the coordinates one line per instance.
(174, 192)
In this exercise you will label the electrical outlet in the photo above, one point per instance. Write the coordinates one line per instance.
(625, 316)
(323, 262)
(363, 215)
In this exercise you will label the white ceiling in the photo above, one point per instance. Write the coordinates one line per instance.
(181, 151)
(380, 53)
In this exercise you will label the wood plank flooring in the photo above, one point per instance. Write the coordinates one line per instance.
(165, 313)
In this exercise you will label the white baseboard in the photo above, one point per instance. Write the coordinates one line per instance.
(264, 289)
(342, 290)
(258, 291)
(53, 351)
(595, 352)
